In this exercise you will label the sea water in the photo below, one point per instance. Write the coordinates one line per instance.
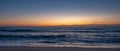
(61, 36)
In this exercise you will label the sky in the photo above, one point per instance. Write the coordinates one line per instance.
(58, 12)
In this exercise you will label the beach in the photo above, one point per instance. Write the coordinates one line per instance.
(20, 48)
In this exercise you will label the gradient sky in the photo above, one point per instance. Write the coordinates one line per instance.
(58, 12)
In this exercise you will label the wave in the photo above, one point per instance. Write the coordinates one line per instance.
(19, 30)
(32, 30)
(63, 38)
(33, 36)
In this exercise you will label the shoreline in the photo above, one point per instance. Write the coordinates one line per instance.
(26, 48)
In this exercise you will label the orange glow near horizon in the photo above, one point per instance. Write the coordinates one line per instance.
(57, 21)
(54, 23)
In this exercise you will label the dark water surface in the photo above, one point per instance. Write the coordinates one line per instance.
(61, 36)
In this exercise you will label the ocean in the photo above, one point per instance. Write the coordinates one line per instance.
(61, 36)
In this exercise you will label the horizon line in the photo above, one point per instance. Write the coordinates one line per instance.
(62, 25)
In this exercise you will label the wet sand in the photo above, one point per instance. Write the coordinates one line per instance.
(20, 48)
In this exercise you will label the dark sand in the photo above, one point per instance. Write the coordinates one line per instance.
(13, 48)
